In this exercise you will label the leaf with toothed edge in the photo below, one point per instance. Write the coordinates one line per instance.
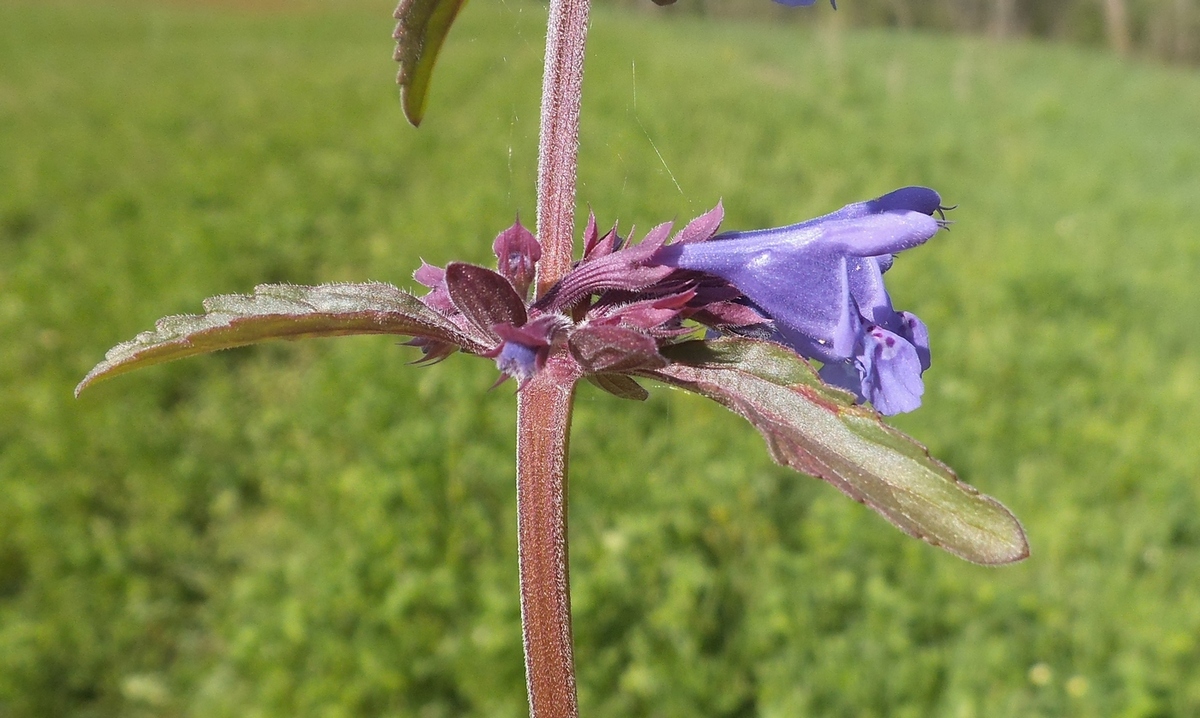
(281, 311)
(818, 430)
(422, 28)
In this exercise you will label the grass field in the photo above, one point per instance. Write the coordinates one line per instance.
(318, 529)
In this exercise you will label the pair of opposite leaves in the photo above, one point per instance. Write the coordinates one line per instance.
(807, 427)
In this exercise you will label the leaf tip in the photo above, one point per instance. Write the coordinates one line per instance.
(414, 109)
(1021, 547)
(96, 374)
(1010, 548)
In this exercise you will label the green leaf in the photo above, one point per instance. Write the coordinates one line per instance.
(419, 35)
(818, 430)
(281, 311)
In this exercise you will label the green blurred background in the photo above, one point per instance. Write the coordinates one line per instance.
(1165, 29)
(318, 529)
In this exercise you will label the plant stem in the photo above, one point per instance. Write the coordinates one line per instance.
(544, 425)
(544, 403)
(558, 150)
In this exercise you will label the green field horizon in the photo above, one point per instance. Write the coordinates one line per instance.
(320, 529)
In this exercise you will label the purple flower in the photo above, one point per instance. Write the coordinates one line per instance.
(517, 253)
(821, 282)
(804, 3)
(523, 350)
(885, 371)
(517, 359)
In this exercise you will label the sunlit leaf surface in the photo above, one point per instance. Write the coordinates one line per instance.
(820, 431)
(279, 311)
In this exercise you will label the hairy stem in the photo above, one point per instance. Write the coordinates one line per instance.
(544, 403)
(558, 151)
(543, 429)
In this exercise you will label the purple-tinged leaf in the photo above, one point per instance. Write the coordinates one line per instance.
(591, 234)
(602, 349)
(655, 238)
(434, 278)
(432, 351)
(621, 386)
(484, 297)
(702, 227)
(647, 315)
(819, 431)
(419, 35)
(601, 246)
(430, 276)
(281, 311)
(623, 270)
(728, 314)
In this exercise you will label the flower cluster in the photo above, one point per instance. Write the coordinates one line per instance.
(815, 287)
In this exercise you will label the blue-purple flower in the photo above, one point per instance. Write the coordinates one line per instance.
(821, 283)
(804, 3)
